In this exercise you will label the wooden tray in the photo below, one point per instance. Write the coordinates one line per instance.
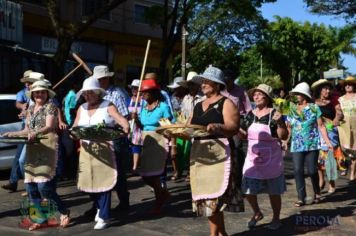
(93, 133)
(183, 131)
(18, 140)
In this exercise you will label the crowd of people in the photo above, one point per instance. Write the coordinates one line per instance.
(240, 157)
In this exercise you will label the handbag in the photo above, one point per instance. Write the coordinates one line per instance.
(331, 166)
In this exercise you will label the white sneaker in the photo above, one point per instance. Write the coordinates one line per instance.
(101, 224)
(96, 219)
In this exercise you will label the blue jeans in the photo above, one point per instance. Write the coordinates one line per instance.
(310, 158)
(22, 158)
(46, 190)
(102, 201)
(16, 170)
(121, 147)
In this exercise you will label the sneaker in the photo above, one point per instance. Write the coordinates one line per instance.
(97, 218)
(101, 224)
(12, 187)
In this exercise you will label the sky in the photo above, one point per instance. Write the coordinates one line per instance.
(297, 10)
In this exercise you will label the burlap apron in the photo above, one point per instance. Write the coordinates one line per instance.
(97, 167)
(154, 154)
(41, 160)
(210, 162)
(347, 132)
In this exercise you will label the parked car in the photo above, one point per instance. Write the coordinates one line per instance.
(9, 121)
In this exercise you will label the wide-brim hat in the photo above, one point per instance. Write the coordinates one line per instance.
(134, 83)
(184, 83)
(349, 79)
(101, 72)
(149, 84)
(264, 88)
(211, 73)
(31, 77)
(38, 86)
(302, 88)
(320, 82)
(175, 83)
(91, 83)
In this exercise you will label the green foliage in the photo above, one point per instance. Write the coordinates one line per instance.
(345, 8)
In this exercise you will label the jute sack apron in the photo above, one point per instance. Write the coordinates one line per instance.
(210, 163)
(154, 154)
(97, 167)
(347, 132)
(41, 159)
(264, 159)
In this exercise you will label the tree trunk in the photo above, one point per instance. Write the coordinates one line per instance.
(60, 58)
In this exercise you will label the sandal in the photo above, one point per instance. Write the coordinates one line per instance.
(317, 200)
(253, 222)
(65, 220)
(299, 203)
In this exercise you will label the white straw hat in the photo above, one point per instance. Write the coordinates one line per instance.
(38, 86)
(320, 82)
(184, 83)
(30, 76)
(91, 83)
(135, 83)
(302, 88)
(101, 72)
(211, 73)
(266, 89)
(175, 83)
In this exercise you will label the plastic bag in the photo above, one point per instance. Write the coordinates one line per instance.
(331, 166)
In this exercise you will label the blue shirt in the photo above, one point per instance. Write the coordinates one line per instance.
(69, 104)
(117, 97)
(150, 119)
(21, 96)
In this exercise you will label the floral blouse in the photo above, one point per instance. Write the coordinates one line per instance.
(38, 120)
(305, 132)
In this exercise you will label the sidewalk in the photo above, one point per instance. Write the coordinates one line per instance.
(333, 216)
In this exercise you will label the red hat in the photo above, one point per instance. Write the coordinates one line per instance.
(149, 84)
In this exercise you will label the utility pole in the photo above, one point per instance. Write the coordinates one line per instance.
(184, 40)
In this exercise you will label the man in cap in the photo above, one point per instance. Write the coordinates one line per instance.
(117, 97)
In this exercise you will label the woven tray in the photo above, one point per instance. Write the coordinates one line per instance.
(18, 140)
(183, 131)
(93, 133)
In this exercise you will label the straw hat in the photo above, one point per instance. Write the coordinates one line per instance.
(320, 82)
(149, 84)
(26, 74)
(151, 75)
(38, 86)
(264, 88)
(91, 83)
(31, 77)
(211, 73)
(134, 83)
(349, 79)
(175, 83)
(184, 83)
(101, 72)
(302, 88)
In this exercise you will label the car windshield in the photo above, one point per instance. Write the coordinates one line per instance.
(8, 111)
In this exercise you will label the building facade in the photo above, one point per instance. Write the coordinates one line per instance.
(118, 39)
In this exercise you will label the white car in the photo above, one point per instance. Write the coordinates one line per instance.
(9, 121)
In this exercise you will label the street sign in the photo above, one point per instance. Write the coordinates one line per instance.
(333, 74)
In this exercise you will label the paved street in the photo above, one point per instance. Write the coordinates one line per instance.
(333, 216)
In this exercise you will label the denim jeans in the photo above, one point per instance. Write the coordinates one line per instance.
(121, 147)
(16, 170)
(46, 190)
(22, 158)
(310, 158)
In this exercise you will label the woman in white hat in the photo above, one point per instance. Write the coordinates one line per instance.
(136, 132)
(97, 173)
(305, 126)
(263, 168)
(331, 115)
(212, 159)
(347, 128)
(41, 159)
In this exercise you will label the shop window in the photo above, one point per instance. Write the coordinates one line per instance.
(140, 12)
(90, 6)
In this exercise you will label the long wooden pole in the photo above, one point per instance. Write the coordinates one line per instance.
(65, 77)
(132, 123)
(142, 73)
